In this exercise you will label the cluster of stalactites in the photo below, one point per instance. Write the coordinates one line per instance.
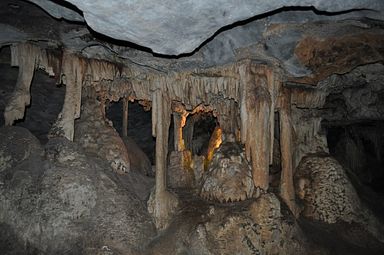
(243, 96)
(28, 58)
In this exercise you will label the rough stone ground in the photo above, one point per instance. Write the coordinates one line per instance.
(257, 226)
(247, 227)
(62, 200)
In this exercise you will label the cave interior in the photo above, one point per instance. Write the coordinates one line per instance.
(191, 128)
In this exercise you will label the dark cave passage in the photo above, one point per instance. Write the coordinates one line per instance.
(139, 125)
(46, 98)
(360, 148)
(46, 103)
(275, 166)
(197, 132)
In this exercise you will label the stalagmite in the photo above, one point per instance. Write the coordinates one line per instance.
(255, 129)
(22, 55)
(125, 117)
(162, 203)
(287, 191)
(72, 71)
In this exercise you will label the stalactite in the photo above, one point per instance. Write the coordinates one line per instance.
(308, 135)
(287, 190)
(154, 114)
(244, 76)
(273, 88)
(23, 55)
(72, 73)
(309, 98)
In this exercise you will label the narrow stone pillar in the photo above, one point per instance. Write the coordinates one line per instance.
(162, 128)
(24, 56)
(255, 114)
(162, 204)
(287, 191)
(125, 116)
(72, 73)
(260, 142)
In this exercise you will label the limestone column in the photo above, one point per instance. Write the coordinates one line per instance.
(161, 203)
(72, 75)
(287, 191)
(260, 136)
(255, 113)
(162, 128)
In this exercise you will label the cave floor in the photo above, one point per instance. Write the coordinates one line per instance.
(321, 238)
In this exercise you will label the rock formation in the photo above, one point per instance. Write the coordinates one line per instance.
(228, 177)
(263, 122)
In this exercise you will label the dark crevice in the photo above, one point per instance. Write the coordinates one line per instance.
(47, 100)
(139, 125)
(198, 131)
(360, 147)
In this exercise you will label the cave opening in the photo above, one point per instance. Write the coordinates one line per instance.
(47, 100)
(8, 76)
(360, 148)
(139, 124)
(198, 131)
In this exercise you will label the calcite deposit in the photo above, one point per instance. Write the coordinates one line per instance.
(191, 127)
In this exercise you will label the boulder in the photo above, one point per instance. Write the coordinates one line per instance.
(76, 205)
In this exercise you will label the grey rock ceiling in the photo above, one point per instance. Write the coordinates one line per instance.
(174, 27)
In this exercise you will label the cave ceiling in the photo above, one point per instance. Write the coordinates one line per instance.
(308, 40)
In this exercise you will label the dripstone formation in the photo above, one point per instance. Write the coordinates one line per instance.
(147, 127)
